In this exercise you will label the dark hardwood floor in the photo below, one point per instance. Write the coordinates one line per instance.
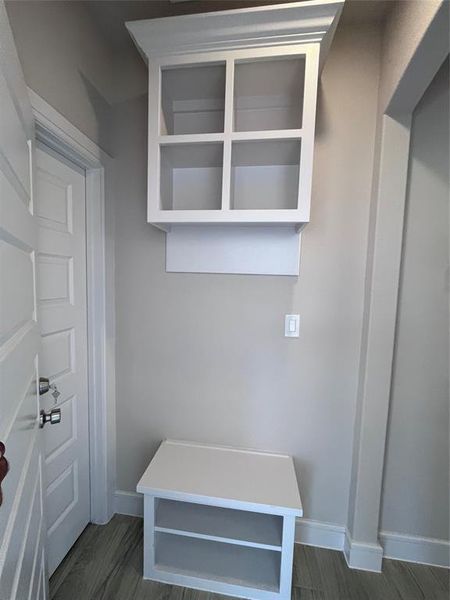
(106, 564)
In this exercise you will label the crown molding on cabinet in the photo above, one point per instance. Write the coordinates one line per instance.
(276, 25)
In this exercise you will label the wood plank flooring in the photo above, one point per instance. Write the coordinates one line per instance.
(106, 564)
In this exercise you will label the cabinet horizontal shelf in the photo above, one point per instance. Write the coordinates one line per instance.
(250, 136)
(291, 217)
(283, 217)
(191, 138)
(205, 559)
(231, 526)
(269, 134)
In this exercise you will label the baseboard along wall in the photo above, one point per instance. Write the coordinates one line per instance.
(417, 549)
(319, 534)
(367, 557)
(129, 503)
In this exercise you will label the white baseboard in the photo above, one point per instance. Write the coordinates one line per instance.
(363, 556)
(367, 557)
(320, 534)
(128, 503)
(311, 533)
(411, 548)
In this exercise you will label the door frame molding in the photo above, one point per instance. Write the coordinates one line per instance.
(56, 132)
(363, 548)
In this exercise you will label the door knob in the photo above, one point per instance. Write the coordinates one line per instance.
(52, 416)
(45, 386)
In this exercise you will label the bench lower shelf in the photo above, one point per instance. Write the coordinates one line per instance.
(218, 561)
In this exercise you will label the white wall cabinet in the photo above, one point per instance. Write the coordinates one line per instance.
(232, 107)
(231, 136)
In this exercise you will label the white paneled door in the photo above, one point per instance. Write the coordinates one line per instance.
(61, 276)
(22, 525)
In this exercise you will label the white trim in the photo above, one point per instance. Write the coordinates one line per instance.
(129, 503)
(416, 549)
(381, 295)
(55, 131)
(260, 26)
(54, 128)
(363, 556)
(423, 66)
(319, 534)
(377, 347)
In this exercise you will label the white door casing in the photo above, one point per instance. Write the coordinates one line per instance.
(61, 276)
(57, 133)
(22, 524)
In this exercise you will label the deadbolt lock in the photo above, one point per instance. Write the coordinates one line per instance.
(45, 386)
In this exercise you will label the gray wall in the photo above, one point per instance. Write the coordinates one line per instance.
(203, 357)
(416, 487)
(66, 61)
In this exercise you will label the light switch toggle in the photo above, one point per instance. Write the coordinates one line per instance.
(291, 325)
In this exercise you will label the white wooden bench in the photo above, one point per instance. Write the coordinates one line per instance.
(220, 519)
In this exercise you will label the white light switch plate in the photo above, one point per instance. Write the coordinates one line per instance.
(291, 325)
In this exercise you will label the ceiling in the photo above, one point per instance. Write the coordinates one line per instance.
(110, 15)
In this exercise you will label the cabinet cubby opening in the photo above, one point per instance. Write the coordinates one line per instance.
(191, 176)
(205, 559)
(192, 99)
(268, 94)
(237, 526)
(265, 174)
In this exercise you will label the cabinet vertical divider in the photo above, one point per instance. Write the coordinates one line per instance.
(228, 128)
(154, 120)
